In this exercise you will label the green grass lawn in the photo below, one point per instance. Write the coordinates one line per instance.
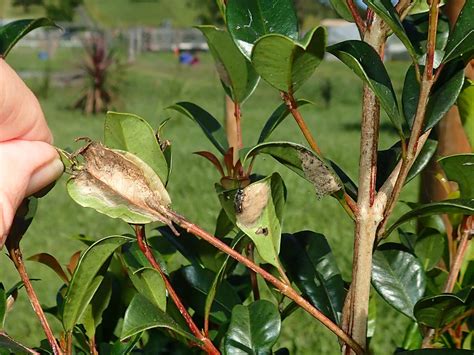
(156, 81)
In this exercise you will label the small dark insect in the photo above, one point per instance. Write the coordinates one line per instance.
(238, 199)
(262, 230)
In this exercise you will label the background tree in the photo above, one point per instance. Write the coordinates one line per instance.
(26, 4)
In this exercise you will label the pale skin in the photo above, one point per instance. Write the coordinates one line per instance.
(28, 161)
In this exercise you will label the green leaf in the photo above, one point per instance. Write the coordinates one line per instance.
(119, 185)
(219, 277)
(444, 93)
(196, 283)
(258, 211)
(248, 20)
(133, 134)
(237, 75)
(142, 315)
(302, 161)
(417, 27)
(365, 62)
(429, 248)
(286, 63)
(209, 125)
(388, 159)
(372, 317)
(253, 329)
(86, 278)
(51, 262)
(386, 11)
(410, 95)
(342, 9)
(460, 168)
(276, 118)
(310, 264)
(92, 316)
(461, 40)
(437, 311)
(150, 284)
(463, 206)
(3, 306)
(399, 278)
(12, 32)
(466, 110)
(413, 338)
(6, 342)
(22, 220)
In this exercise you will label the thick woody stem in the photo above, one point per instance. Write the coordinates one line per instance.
(283, 287)
(17, 258)
(206, 342)
(368, 214)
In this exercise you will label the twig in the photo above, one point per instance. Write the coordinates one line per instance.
(416, 132)
(284, 288)
(17, 258)
(238, 118)
(206, 342)
(357, 18)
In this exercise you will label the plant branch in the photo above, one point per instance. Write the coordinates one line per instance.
(17, 258)
(284, 288)
(206, 342)
(253, 274)
(238, 117)
(357, 18)
(417, 129)
(368, 215)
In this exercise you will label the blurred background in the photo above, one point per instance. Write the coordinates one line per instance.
(141, 56)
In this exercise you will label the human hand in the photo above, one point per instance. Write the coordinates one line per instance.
(28, 161)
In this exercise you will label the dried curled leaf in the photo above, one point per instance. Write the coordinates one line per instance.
(120, 185)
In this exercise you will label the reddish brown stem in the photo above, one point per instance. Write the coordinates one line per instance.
(238, 118)
(206, 345)
(357, 18)
(284, 288)
(17, 258)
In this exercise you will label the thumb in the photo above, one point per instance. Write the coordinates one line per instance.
(25, 168)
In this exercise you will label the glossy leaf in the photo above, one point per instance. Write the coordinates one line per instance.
(437, 311)
(413, 338)
(372, 317)
(133, 134)
(51, 262)
(219, 277)
(387, 160)
(195, 283)
(302, 161)
(460, 168)
(287, 64)
(386, 10)
(342, 9)
(416, 26)
(365, 62)
(22, 220)
(143, 315)
(399, 278)
(120, 185)
(310, 264)
(461, 40)
(277, 117)
(150, 284)
(7, 343)
(248, 20)
(12, 32)
(86, 278)
(253, 329)
(463, 206)
(410, 95)
(466, 110)
(444, 93)
(237, 75)
(429, 249)
(209, 125)
(92, 316)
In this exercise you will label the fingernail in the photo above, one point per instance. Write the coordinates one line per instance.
(44, 176)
